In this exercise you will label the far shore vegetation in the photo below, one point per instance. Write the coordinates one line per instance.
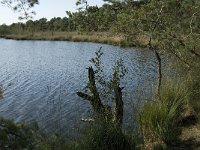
(169, 120)
(96, 37)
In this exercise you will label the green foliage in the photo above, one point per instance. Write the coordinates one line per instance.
(106, 83)
(97, 62)
(158, 119)
(119, 71)
(90, 19)
(4, 29)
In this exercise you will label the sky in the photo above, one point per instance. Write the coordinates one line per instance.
(46, 8)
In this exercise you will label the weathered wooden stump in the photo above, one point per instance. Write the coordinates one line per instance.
(116, 116)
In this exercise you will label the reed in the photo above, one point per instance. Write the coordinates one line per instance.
(97, 37)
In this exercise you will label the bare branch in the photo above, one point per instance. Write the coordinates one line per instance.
(191, 21)
(85, 96)
(21, 6)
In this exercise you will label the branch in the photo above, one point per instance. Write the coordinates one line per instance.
(85, 96)
(195, 53)
(182, 60)
(182, 42)
(158, 18)
(191, 21)
(155, 26)
(21, 6)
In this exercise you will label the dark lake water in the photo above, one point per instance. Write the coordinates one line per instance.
(41, 78)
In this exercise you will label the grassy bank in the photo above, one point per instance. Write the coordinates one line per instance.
(96, 37)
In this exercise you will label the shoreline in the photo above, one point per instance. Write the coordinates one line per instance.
(95, 37)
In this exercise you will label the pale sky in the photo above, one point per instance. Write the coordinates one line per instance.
(46, 8)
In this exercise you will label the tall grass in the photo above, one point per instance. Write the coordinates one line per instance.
(158, 118)
(104, 136)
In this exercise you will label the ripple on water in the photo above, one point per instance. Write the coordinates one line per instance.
(41, 79)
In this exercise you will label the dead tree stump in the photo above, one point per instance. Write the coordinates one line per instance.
(116, 116)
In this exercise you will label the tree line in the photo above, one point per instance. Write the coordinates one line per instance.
(171, 25)
(86, 19)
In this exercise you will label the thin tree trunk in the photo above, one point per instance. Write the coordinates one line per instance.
(94, 99)
(159, 70)
(159, 67)
(118, 109)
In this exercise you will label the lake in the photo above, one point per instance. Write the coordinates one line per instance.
(40, 80)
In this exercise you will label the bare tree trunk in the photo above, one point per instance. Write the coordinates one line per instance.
(159, 68)
(97, 105)
(159, 71)
(118, 109)
(94, 99)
